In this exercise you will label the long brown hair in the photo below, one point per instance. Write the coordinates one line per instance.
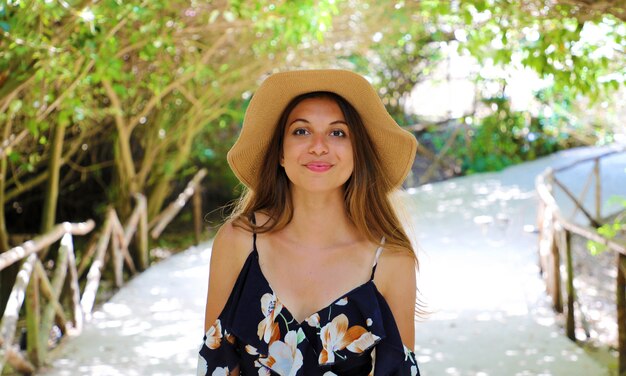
(366, 193)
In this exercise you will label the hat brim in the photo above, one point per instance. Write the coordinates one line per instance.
(395, 146)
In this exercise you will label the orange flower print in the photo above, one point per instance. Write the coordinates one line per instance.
(214, 335)
(364, 342)
(251, 350)
(229, 337)
(268, 330)
(284, 358)
(337, 336)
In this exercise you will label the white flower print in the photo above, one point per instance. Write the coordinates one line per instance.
(263, 371)
(369, 322)
(313, 320)
(214, 335)
(268, 330)
(202, 366)
(284, 358)
(343, 301)
(221, 371)
(407, 354)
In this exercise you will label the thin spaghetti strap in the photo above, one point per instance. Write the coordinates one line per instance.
(379, 250)
(253, 220)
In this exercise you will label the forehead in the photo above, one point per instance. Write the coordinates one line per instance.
(317, 107)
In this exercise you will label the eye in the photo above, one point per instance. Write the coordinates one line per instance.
(338, 133)
(300, 132)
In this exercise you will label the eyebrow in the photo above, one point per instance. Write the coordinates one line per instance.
(308, 122)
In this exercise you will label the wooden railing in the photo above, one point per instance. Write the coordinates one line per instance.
(33, 286)
(33, 271)
(555, 235)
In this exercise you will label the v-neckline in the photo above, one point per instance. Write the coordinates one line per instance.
(255, 253)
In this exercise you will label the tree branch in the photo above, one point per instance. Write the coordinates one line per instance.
(177, 83)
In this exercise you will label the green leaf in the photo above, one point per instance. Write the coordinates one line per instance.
(14, 156)
(300, 336)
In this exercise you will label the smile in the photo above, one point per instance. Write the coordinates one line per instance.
(318, 166)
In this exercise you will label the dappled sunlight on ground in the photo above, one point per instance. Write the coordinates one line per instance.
(151, 327)
(480, 278)
(492, 343)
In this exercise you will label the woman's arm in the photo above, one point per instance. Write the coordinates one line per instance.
(231, 247)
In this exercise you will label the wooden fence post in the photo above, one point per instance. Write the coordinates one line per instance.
(33, 318)
(142, 239)
(555, 269)
(197, 214)
(60, 267)
(598, 189)
(77, 312)
(93, 275)
(571, 294)
(12, 310)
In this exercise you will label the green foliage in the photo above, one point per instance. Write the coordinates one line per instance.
(611, 230)
(575, 58)
(505, 137)
(147, 77)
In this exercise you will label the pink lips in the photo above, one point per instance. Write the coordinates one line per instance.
(318, 166)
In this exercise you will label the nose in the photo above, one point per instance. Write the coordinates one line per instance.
(318, 145)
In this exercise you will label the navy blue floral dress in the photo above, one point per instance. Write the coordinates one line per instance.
(355, 335)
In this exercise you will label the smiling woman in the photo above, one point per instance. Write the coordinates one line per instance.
(313, 273)
(317, 152)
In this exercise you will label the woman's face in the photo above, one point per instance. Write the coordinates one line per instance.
(317, 151)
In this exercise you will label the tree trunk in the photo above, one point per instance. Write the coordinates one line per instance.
(52, 188)
(7, 276)
(4, 235)
(159, 192)
(124, 176)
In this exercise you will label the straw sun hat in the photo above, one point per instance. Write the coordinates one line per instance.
(395, 146)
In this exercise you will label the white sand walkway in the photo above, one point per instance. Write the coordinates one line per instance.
(490, 313)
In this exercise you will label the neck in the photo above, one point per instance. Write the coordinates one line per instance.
(320, 220)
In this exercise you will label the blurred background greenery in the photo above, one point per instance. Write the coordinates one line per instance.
(102, 99)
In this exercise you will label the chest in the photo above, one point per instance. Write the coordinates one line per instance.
(306, 282)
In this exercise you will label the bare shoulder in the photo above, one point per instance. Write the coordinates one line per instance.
(232, 242)
(231, 247)
(396, 280)
(396, 266)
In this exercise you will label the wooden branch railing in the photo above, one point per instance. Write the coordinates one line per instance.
(9, 352)
(33, 285)
(160, 221)
(555, 234)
